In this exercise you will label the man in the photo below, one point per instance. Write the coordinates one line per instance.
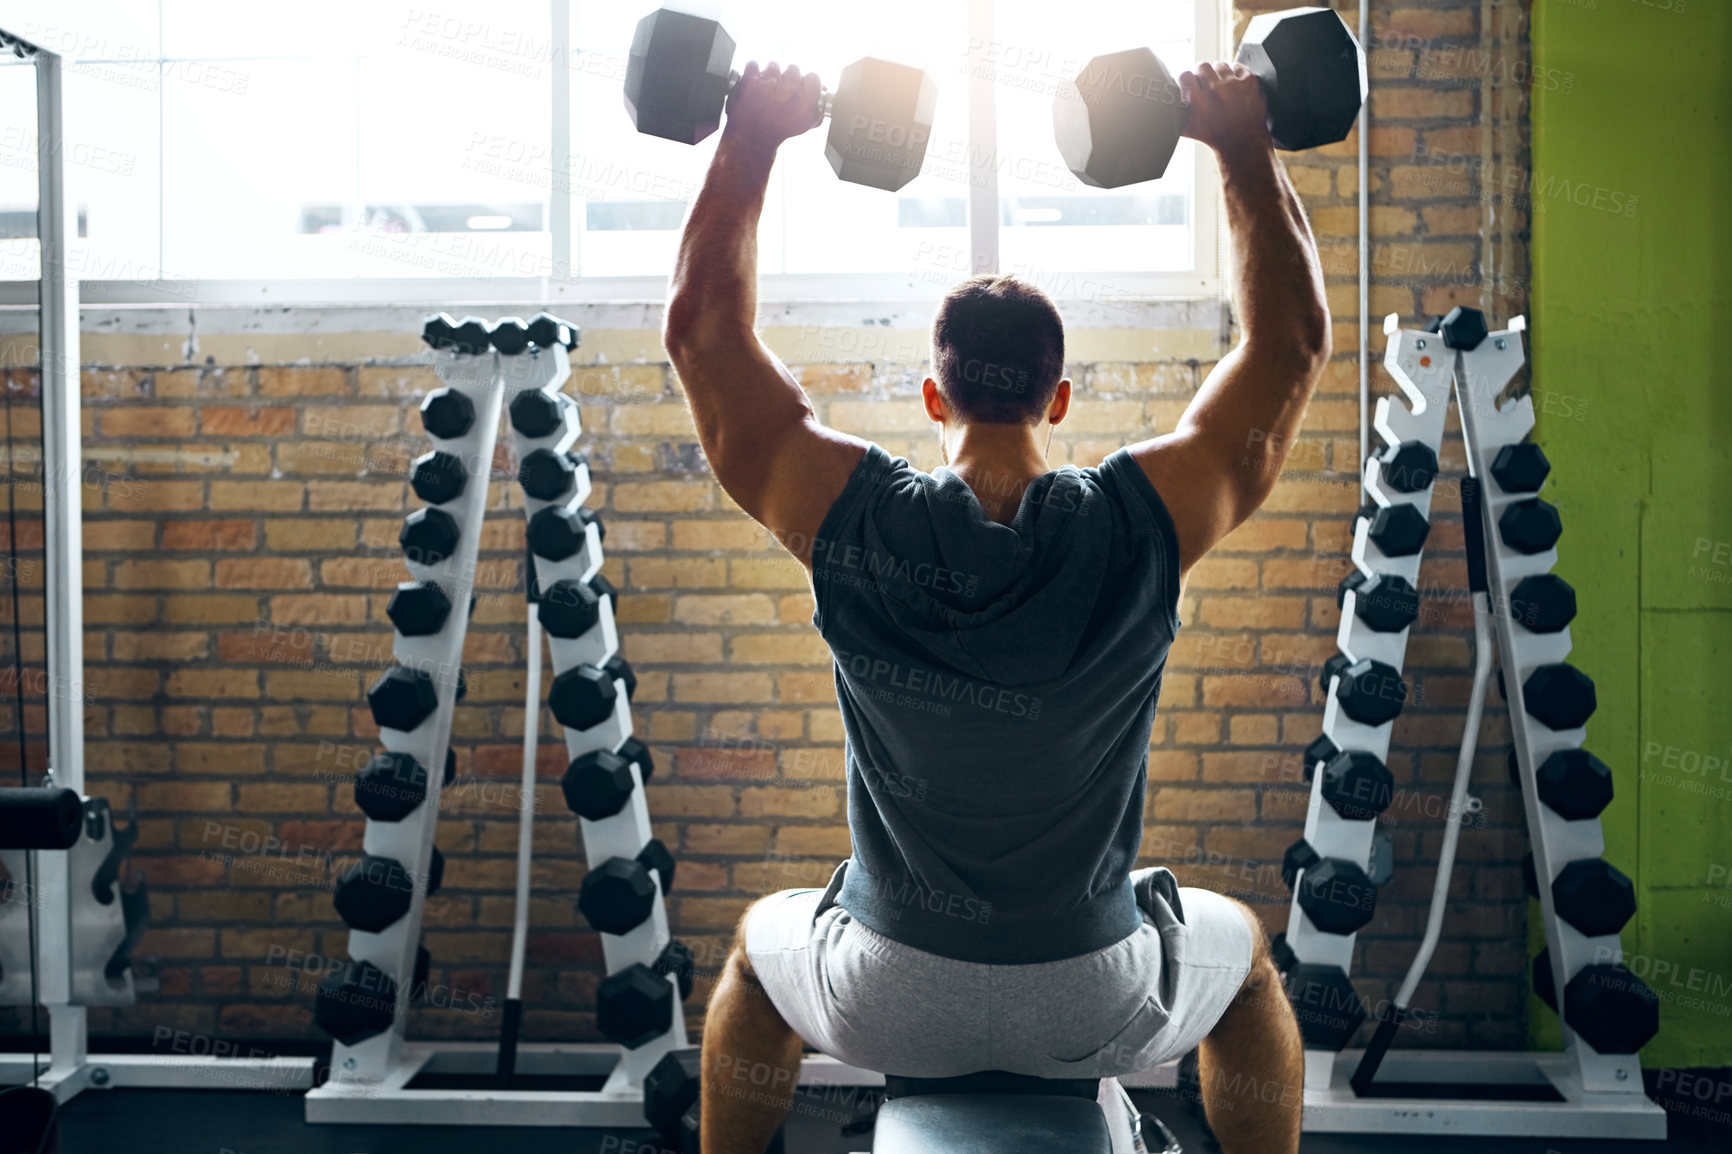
(1000, 629)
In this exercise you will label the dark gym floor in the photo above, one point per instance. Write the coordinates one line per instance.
(221, 1122)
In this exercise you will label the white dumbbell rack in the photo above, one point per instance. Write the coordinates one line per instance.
(370, 1081)
(1578, 1092)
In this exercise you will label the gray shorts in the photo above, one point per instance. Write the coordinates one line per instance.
(874, 1003)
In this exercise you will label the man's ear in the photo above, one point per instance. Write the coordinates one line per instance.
(933, 400)
(1060, 406)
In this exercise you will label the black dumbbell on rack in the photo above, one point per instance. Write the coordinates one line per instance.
(679, 75)
(1119, 121)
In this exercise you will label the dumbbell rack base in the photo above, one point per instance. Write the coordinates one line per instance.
(158, 1072)
(1331, 1106)
(616, 1104)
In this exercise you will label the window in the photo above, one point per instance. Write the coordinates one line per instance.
(20, 254)
(334, 150)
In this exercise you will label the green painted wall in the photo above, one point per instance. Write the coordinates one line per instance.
(1632, 259)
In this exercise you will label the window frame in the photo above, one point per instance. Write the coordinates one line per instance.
(1201, 282)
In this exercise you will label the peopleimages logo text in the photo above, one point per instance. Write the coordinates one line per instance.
(932, 684)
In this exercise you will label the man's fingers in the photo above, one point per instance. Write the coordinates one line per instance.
(810, 92)
(1188, 86)
(1206, 73)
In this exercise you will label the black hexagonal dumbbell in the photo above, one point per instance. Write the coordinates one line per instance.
(1611, 1009)
(1559, 696)
(568, 609)
(669, 1090)
(435, 872)
(1334, 666)
(1119, 120)
(1520, 468)
(1324, 1001)
(598, 784)
(423, 970)
(1544, 988)
(633, 749)
(1530, 526)
(447, 414)
(679, 74)
(676, 961)
(1409, 466)
(438, 477)
(1575, 784)
(547, 475)
(591, 517)
(355, 1003)
(428, 536)
(466, 337)
(391, 786)
(510, 336)
(1371, 692)
(556, 532)
(1337, 896)
(1544, 603)
(1319, 751)
(547, 331)
(582, 697)
(1352, 581)
(1594, 896)
(620, 670)
(1281, 953)
(1386, 602)
(604, 588)
(656, 856)
(1357, 785)
(537, 413)
(634, 1006)
(418, 608)
(617, 895)
(1463, 328)
(402, 698)
(1399, 530)
(1299, 856)
(1530, 876)
(373, 893)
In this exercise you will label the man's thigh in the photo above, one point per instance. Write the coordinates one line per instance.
(1210, 945)
(861, 998)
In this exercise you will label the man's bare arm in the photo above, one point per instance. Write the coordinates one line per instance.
(755, 423)
(1222, 460)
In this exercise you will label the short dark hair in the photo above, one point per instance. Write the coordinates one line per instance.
(998, 351)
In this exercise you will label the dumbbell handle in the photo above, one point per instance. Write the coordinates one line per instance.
(826, 98)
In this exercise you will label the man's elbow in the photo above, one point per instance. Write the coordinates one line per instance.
(681, 325)
(690, 332)
(1313, 339)
(1301, 348)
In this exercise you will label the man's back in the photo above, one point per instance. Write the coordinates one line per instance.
(997, 684)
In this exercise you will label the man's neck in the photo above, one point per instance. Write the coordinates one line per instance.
(998, 462)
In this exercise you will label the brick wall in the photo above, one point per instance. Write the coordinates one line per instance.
(240, 546)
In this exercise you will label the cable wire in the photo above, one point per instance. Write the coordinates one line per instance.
(18, 720)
